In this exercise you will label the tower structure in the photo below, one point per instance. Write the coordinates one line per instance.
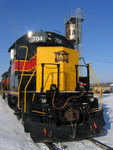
(73, 30)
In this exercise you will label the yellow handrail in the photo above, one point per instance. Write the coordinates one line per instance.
(26, 88)
(33, 97)
(92, 81)
(22, 76)
(100, 94)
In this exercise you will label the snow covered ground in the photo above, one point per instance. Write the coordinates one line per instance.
(13, 137)
(107, 138)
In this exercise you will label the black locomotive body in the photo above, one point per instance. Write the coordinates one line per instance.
(45, 90)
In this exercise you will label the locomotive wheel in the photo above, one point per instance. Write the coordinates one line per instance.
(3, 95)
(23, 116)
(12, 102)
(22, 112)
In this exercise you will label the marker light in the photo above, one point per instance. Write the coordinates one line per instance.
(12, 54)
(29, 34)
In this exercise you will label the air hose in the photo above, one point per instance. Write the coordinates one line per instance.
(72, 97)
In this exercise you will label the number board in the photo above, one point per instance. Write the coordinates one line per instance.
(50, 38)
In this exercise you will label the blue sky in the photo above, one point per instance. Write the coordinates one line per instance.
(19, 16)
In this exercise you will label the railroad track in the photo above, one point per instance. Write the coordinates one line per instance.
(102, 145)
(56, 146)
(51, 146)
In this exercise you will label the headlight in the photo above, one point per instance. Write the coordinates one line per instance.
(91, 99)
(30, 34)
(43, 100)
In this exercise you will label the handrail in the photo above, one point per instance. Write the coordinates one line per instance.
(92, 81)
(27, 86)
(22, 76)
(29, 82)
(33, 97)
(100, 94)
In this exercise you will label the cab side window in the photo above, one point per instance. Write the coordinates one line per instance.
(21, 53)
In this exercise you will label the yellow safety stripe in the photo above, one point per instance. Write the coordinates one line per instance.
(38, 112)
(12, 92)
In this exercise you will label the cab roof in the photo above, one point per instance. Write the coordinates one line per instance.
(43, 38)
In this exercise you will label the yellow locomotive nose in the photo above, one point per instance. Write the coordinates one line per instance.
(51, 56)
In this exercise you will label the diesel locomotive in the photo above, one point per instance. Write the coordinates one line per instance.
(44, 88)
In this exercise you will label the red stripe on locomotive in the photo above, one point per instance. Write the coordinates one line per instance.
(29, 65)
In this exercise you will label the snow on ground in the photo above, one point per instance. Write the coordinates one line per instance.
(78, 145)
(107, 138)
(13, 137)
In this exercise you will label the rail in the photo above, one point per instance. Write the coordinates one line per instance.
(99, 94)
(51, 146)
(100, 144)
